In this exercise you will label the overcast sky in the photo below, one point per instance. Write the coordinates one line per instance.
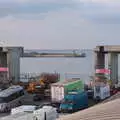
(59, 24)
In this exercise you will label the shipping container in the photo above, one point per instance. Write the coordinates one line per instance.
(60, 89)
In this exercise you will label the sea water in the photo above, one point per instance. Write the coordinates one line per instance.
(82, 67)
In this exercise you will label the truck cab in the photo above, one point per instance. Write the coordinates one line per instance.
(74, 101)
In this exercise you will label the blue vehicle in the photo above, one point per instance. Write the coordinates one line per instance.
(74, 101)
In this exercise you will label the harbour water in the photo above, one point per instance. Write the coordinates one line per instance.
(83, 66)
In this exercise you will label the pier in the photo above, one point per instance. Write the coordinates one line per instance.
(10, 58)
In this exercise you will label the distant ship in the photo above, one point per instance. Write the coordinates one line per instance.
(77, 54)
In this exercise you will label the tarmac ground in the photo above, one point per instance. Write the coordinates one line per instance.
(28, 100)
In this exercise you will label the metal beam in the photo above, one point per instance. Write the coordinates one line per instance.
(109, 48)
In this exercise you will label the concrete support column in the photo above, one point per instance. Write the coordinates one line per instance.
(99, 64)
(99, 60)
(3, 63)
(13, 60)
(3, 59)
(113, 66)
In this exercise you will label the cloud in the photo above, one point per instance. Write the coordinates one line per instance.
(25, 7)
(107, 2)
(59, 24)
(30, 1)
(21, 2)
(99, 11)
(102, 11)
(63, 29)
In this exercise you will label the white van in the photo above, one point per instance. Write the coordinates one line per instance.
(11, 97)
(18, 116)
(23, 108)
(101, 92)
(45, 113)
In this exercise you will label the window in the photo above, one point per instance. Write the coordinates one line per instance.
(97, 89)
(2, 99)
(12, 96)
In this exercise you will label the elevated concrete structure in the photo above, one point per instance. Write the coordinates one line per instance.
(10, 57)
(108, 48)
(112, 51)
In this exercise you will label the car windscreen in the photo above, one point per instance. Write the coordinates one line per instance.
(66, 101)
(3, 100)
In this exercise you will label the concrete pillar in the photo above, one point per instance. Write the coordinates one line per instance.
(99, 60)
(13, 60)
(113, 66)
(3, 63)
(3, 59)
(99, 64)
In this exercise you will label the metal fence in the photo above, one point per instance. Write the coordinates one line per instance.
(26, 77)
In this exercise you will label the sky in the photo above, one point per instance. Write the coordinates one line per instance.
(59, 24)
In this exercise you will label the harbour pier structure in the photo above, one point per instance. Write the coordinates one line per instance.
(10, 58)
(112, 52)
